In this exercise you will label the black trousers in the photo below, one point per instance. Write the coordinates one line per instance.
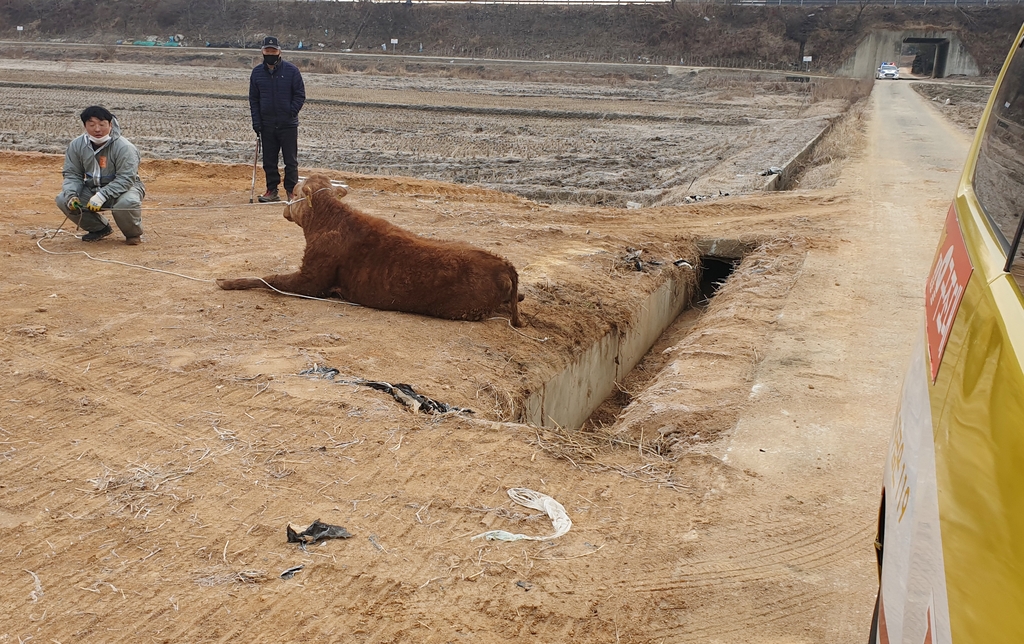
(286, 142)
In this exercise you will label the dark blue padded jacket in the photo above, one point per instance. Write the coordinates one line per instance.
(275, 98)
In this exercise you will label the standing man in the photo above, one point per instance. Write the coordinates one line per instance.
(101, 171)
(276, 94)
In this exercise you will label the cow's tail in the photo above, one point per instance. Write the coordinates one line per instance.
(515, 297)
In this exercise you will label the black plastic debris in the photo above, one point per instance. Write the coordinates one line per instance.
(525, 585)
(401, 392)
(327, 373)
(316, 532)
(767, 172)
(406, 395)
(632, 260)
(288, 574)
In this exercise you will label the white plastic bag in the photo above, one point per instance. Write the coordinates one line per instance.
(559, 518)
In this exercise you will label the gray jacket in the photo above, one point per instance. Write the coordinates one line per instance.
(114, 167)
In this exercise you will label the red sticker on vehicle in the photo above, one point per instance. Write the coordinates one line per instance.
(944, 291)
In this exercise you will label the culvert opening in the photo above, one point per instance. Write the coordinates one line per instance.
(591, 391)
(714, 271)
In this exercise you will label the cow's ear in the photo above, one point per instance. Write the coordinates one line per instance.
(307, 190)
(340, 191)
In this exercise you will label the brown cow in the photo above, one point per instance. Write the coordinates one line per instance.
(366, 260)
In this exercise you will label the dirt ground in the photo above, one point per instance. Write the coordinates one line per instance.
(158, 436)
(959, 101)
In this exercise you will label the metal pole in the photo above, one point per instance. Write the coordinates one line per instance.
(256, 158)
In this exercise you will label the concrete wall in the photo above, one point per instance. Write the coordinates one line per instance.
(568, 399)
(881, 46)
(784, 180)
(959, 61)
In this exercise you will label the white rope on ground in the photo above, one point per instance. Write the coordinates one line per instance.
(528, 337)
(307, 297)
(241, 205)
(39, 243)
(220, 207)
(560, 520)
(334, 184)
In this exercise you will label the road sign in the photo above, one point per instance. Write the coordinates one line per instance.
(807, 59)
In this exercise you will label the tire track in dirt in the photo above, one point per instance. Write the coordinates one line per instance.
(789, 608)
(800, 560)
(116, 403)
(117, 380)
(820, 549)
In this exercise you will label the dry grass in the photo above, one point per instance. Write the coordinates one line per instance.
(848, 89)
(247, 577)
(844, 140)
(321, 65)
(137, 489)
(502, 404)
(965, 104)
(594, 451)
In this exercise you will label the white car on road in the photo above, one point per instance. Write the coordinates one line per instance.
(888, 70)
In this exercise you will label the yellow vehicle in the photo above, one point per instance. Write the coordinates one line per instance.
(951, 524)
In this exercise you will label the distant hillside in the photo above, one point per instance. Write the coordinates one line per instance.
(710, 34)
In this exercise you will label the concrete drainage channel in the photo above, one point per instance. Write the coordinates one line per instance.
(569, 398)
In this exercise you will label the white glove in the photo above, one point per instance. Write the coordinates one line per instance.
(96, 202)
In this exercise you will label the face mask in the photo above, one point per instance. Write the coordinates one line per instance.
(271, 59)
(99, 140)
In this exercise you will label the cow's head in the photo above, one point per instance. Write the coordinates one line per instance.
(296, 210)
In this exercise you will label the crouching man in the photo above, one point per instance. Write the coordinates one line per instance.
(101, 171)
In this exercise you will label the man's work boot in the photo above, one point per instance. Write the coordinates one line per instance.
(291, 195)
(133, 241)
(98, 234)
(269, 196)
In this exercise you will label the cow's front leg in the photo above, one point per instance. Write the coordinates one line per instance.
(300, 283)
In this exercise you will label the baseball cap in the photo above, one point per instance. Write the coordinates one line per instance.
(270, 41)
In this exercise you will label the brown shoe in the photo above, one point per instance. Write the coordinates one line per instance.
(269, 196)
(133, 241)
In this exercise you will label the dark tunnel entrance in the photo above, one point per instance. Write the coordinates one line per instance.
(924, 57)
(714, 271)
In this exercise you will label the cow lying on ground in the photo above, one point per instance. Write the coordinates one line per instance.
(366, 260)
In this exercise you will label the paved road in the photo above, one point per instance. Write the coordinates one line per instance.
(803, 536)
